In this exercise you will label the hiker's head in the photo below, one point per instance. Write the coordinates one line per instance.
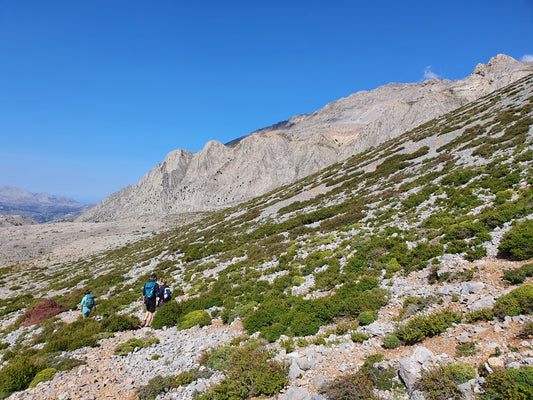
(153, 277)
(164, 281)
(87, 291)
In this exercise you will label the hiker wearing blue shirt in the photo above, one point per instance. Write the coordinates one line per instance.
(150, 292)
(87, 304)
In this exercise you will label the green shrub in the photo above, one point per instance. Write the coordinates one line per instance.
(43, 376)
(155, 386)
(123, 349)
(420, 327)
(219, 359)
(465, 349)
(357, 386)
(518, 275)
(527, 331)
(518, 242)
(510, 384)
(17, 375)
(518, 301)
(382, 378)
(251, 372)
(484, 314)
(441, 383)
(359, 337)
(198, 317)
(119, 323)
(391, 341)
(168, 315)
(80, 333)
(367, 317)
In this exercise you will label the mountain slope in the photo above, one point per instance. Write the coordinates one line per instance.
(221, 176)
(414, 235)
(41, 207)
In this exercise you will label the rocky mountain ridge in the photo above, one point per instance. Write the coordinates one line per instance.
(41, 207)
(221, 176)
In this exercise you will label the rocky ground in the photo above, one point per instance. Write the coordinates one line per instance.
(106, 376)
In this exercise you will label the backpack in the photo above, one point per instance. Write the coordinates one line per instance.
(90, 301)
(149, 289)
(167, 295)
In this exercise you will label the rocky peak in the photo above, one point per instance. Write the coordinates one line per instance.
(220, 176)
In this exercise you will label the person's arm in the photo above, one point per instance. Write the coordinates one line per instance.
(83, 302)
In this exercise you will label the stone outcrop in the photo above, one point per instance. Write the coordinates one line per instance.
(223, 175)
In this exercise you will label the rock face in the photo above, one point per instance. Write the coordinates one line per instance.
(40, 207)
(224, 175)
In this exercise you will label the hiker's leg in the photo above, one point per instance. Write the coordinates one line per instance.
(149, 319)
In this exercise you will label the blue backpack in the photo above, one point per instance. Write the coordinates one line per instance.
(149, 289)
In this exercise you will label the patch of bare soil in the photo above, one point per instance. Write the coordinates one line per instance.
(42, 311)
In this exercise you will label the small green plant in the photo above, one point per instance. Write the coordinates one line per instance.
(168, 315)
(391, 341)
(518, 242)
(518, 275)
(198, 317)
(119, 322)
(17, 375)
(509, 384)
(420, 327)
(527, 331)
(251, 372)
(484, 314)
(359, 337)
(357, 386)
(367, 317)
(519, 301)
(466, 349)
(441, 383)
(128, 347)
(155, 357)
(43, 376)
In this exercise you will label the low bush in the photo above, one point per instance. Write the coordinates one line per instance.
(517, 244)
(367, 317)
(198, 317)
(484, 314)
(510, 384)
(119, 322)
(155, 386)
(168, 315)
(357, 386)
(359, 337)
(43, 376)
(441, 383)
(518, 275)
(251, 372)
(80, 333)
(420, 327)
(466, 349)
(519, 301)
(391, 341)
(527, 331)
(128, 347)
(17, 375)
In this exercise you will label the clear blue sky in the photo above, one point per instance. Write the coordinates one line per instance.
(94, 94)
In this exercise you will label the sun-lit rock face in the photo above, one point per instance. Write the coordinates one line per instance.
(223, 175)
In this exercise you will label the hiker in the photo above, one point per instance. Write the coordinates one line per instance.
(87, 304)
(165, 294)
(150, 291)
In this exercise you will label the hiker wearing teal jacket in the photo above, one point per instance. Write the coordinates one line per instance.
(87, 304)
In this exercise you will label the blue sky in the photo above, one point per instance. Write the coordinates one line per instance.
(94, 94)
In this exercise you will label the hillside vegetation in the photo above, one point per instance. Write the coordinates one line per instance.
(323, 256)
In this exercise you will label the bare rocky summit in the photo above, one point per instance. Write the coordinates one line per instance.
(223, 175)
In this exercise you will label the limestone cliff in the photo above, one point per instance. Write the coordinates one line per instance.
(223, 175)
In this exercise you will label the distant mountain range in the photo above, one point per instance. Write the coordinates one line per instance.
(224, 175)
(40, 207)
